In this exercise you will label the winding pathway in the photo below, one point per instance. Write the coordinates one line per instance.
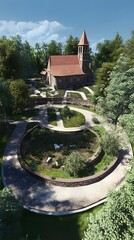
(37, 196)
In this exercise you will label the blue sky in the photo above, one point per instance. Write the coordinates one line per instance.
(44, 20)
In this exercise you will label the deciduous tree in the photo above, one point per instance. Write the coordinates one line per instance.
(119, 94)
(75, 164)
(20, 96)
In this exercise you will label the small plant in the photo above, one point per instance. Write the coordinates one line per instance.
(95, 120)
(66, 112)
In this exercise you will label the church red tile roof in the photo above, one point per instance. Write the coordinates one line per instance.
(64, 65)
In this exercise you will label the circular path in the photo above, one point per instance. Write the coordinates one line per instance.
(37, 196)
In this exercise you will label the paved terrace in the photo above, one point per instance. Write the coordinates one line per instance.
(37, 196)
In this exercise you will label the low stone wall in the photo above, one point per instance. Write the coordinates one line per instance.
(62, 100)
(68, 182)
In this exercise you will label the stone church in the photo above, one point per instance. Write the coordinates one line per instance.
(70, 71)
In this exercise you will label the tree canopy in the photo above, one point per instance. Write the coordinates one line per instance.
(75, 164)
(120, 92)
(20, 95)
(116, 219)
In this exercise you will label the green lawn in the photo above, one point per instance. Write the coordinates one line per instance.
(52, 116)
(75, 120)
(54, 173)
(103, 164)
(24, 115)
(74, 95)
(87, 93)
(84, 108)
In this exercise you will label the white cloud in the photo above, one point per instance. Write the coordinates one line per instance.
(33, 31)
(93, 44)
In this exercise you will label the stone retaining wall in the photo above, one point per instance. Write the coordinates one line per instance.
(62, 100)
(69, 182)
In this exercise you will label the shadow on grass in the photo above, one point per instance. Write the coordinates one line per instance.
(70, 227)
(50, 227)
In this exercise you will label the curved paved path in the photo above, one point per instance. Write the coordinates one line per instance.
(37, 196)
(60, 127)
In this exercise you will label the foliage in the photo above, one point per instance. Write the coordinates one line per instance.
(105, 59)
(5, 97)
(110, 143)
(119, 98)
(66, 112)
(54, 48)
(127, 122)
(9, 64)
(75, 164)
(102, 78)
(108, 51)
(20, 95)
(10, 214)
(71, 46)
(76, 119)
(115, 220)
(129, 48)
(52, 116)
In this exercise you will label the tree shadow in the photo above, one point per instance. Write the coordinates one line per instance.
(50, 227)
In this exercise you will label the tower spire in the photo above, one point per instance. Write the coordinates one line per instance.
(83, 53)
(83, 41)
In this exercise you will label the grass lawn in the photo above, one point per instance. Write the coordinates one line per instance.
(87, 93)
(24, 115)
(84, 108)
(74, 95)
(75, 120)
(69, 227)
(52, 116)
(106, 159)
(103, 164)
(54, 173)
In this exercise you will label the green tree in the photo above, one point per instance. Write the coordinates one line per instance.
(54, 48)
(20, 96)
(116, 219)
(66, 112)
(27, 61)
(120, 92)
(71, 46)
(103, 78)
(129, 48)
(75, 164)
(10, 216)
(127, 122)
(9, 62)
(5, 97)
(110, 143)
(105, 59)
(108, 51)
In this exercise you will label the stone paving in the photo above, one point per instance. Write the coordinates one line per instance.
(37, 196)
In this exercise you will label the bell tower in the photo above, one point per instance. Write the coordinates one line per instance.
(83, 53)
